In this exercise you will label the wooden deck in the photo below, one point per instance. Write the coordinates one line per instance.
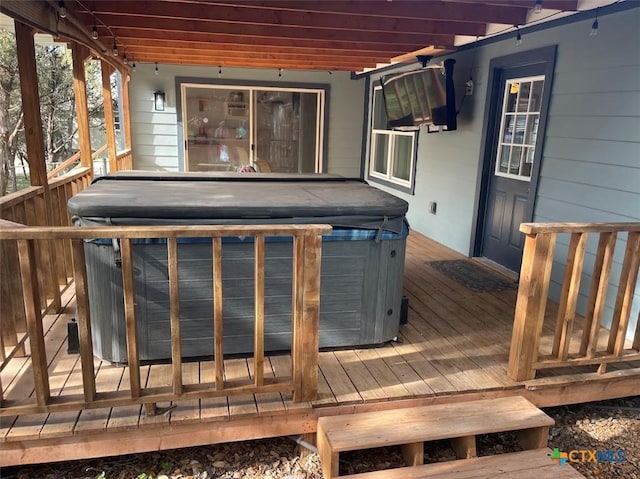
(455, 347)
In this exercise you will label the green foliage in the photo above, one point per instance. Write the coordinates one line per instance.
(57, 106)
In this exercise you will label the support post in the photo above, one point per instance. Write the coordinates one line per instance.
(108, 115)
(79, 54)
(531, 304)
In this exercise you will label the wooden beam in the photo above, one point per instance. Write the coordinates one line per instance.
(147, 45)
(154, 438)
(216, 53)
(42, 16)
(149, 37)
(31, 104)
(126, 110)
(79, 53)
(109, 122)
(273, 64)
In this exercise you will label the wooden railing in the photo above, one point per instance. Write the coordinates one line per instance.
(124, 160)
(36, 206)
(307, 241)
(72, 159)
(595, 346)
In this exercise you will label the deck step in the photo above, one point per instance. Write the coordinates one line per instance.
(411, 427)
(532, 464)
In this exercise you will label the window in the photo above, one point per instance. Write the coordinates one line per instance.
(392, 154)
(232, 127)
(519, 127)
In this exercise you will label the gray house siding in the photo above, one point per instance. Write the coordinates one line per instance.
(155, 134)
(591, 158)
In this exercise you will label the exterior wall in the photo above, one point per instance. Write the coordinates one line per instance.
(155, 134)
(591, 158)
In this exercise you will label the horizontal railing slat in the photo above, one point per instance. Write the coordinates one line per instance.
(165, 231)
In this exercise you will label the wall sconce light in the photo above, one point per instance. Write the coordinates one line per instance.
(158, 100)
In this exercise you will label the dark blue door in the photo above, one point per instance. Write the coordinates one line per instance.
(511, 182)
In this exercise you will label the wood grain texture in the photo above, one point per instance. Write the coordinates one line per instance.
(524, 464)
(569, 296)
(174, 315)
(427, 423)
(624, 296)
(258, 333)
(83, 318)
(531, 304)
(133, 355)
(218, 316)
(31, 294)
(597, 293)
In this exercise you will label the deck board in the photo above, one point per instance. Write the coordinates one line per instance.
(455, 345)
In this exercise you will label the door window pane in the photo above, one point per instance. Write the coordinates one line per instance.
(520, 124)
(527, 164)
(536, 96)
(503, 163)
(523, 99)
(514, 164)
(512, 96)
(509, 124)
(532, 130)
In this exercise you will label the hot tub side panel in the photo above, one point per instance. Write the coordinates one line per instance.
(361, 291)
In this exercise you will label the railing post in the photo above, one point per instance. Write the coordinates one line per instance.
(531, 304)
(84, 321)
(307, 250)
(31, 295)
(133, 354)
(258, 335)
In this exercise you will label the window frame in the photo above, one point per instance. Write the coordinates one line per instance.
(529, 115)
(406, 186)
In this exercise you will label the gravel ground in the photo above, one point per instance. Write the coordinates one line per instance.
(608, 425)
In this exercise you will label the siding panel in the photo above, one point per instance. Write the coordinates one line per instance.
(616, 128)
(612, 153)
(599, 105)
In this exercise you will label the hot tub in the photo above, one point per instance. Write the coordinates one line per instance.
(361, 270)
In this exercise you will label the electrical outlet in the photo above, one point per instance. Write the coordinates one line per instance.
(469, 85)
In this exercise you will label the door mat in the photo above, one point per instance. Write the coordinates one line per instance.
(473, 276)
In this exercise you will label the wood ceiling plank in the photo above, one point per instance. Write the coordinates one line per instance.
(257, 63)
(135, 43)
(362, 44)
(223, 15)
(291, 32)
(139, 52)
(569, 5)
(405, 9)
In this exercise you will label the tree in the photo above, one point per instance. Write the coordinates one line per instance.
(57, 106)
(11, 117)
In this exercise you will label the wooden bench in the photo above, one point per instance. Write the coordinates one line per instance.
(410, 427)
(534, 463)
